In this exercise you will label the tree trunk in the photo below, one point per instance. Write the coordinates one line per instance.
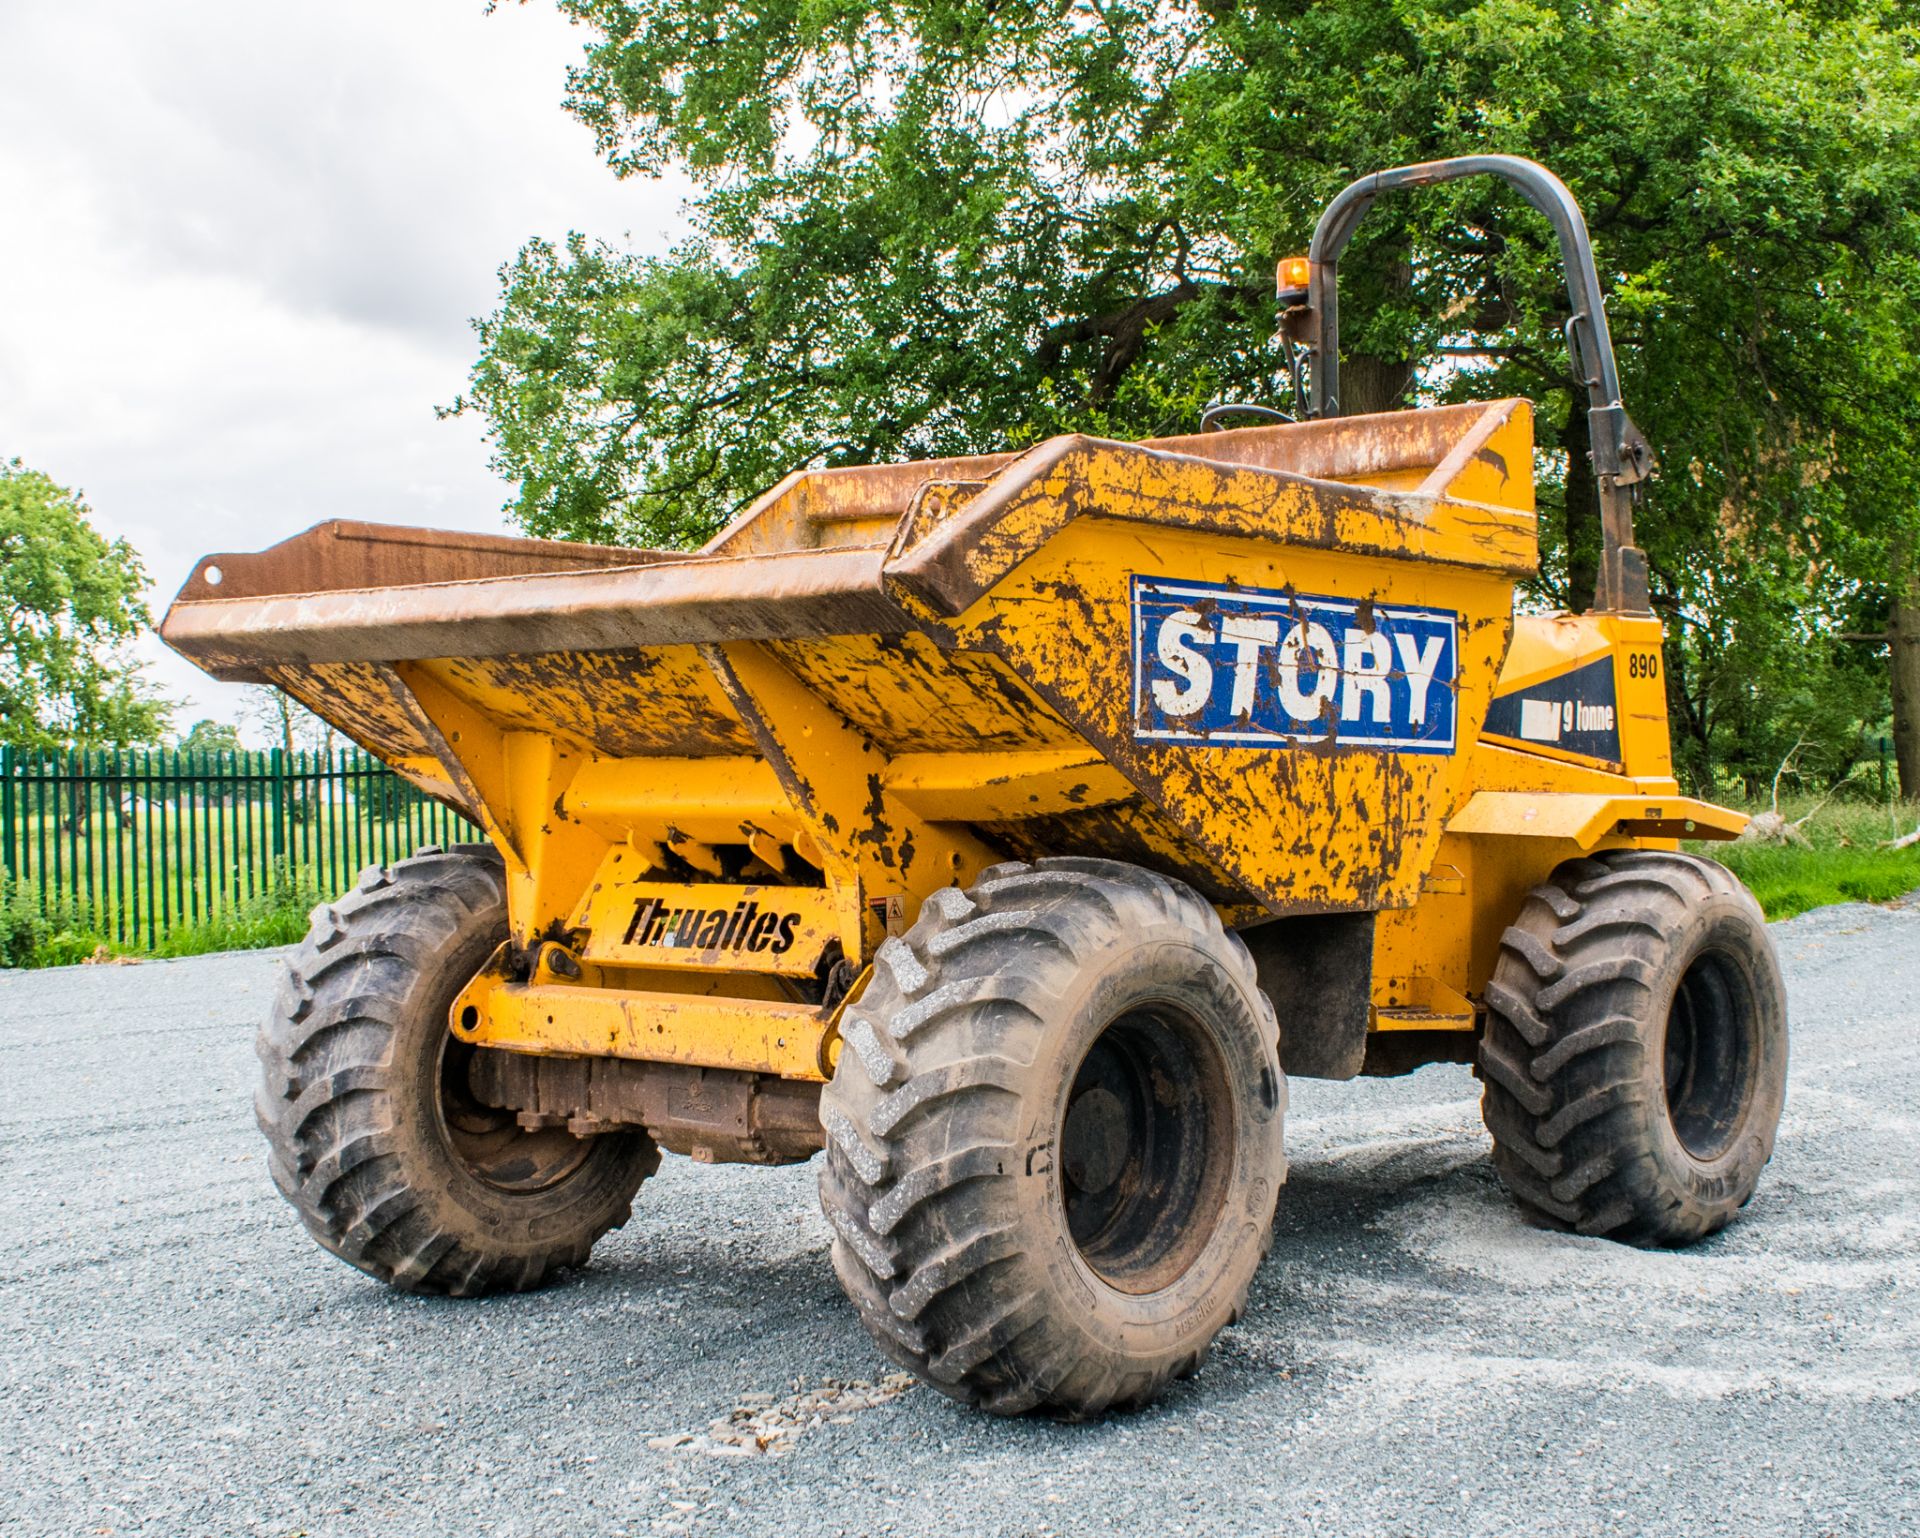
(1370, 384)
(1583, 513)
(1903, 637)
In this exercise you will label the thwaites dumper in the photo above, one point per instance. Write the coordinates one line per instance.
(1009, 827)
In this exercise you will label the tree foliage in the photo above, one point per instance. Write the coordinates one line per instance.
(212, 737)
(942, 226)
(70, 601)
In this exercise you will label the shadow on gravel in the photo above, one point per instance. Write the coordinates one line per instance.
(1344, 1198)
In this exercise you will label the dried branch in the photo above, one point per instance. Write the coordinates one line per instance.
(1772, 827)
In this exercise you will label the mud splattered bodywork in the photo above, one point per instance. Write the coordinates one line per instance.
(906, 822)
(1280, 664)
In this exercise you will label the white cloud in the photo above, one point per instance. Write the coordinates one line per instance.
(240, 248)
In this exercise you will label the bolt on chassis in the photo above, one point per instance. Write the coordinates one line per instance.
(1007, 828)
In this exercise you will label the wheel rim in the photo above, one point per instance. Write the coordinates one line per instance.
(1146, 1148)
(490, 1144)
(1708, 1052)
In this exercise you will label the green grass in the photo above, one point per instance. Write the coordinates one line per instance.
(68, 935)
(1841, 862)
(278, 919)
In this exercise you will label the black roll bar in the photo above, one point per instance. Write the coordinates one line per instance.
(1621, 458)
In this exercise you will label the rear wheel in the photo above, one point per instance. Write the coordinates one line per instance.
(1635, 1056)
(375, 1135)
(1054, 1138)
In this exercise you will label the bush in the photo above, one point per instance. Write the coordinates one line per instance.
(22, 925)
(32, 936)
(276, 917)
(69, 933)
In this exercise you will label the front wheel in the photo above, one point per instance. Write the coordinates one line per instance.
(1054, 1138)
(375, 1135)
(1635, 1057)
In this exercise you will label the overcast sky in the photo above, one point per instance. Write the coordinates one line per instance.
(240, 246)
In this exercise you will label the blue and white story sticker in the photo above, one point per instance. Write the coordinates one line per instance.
(1247, 666)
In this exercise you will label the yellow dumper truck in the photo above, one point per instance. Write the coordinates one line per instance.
(1009, 828)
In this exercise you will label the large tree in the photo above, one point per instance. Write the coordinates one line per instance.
(930, 227)
(70, 601)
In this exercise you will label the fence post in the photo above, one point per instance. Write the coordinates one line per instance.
(277, 769)
(6, 809)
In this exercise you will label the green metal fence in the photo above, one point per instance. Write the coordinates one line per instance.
(135, 844)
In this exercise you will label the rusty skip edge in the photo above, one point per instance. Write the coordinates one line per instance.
(366, 593)
(773, 597)
(342, 553)
(950, 565)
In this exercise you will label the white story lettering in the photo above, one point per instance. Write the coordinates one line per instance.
(1359, 668)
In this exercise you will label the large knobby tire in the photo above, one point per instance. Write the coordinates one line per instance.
(1054, 1138)
(375, 1138)
(1635, 1057)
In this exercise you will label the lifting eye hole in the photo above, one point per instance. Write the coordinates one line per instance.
(469, 1018)
(213, 576)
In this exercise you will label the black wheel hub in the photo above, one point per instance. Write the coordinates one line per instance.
(489, 1142)
(1709, 1055)
(1146, 1149)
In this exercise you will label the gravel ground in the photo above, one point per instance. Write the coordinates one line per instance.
(179, 1359)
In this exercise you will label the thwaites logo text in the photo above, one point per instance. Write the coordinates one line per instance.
(1247, 666)
(746, 926)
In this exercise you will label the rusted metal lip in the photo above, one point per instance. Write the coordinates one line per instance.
(327, 595)
(944, 570)
(678, 602)
(342, 553)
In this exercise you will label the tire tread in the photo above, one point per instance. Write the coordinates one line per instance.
(959, 1006)
(1569, 1020)
(324, 1098)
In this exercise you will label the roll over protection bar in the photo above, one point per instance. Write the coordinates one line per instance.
(1621, 458)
